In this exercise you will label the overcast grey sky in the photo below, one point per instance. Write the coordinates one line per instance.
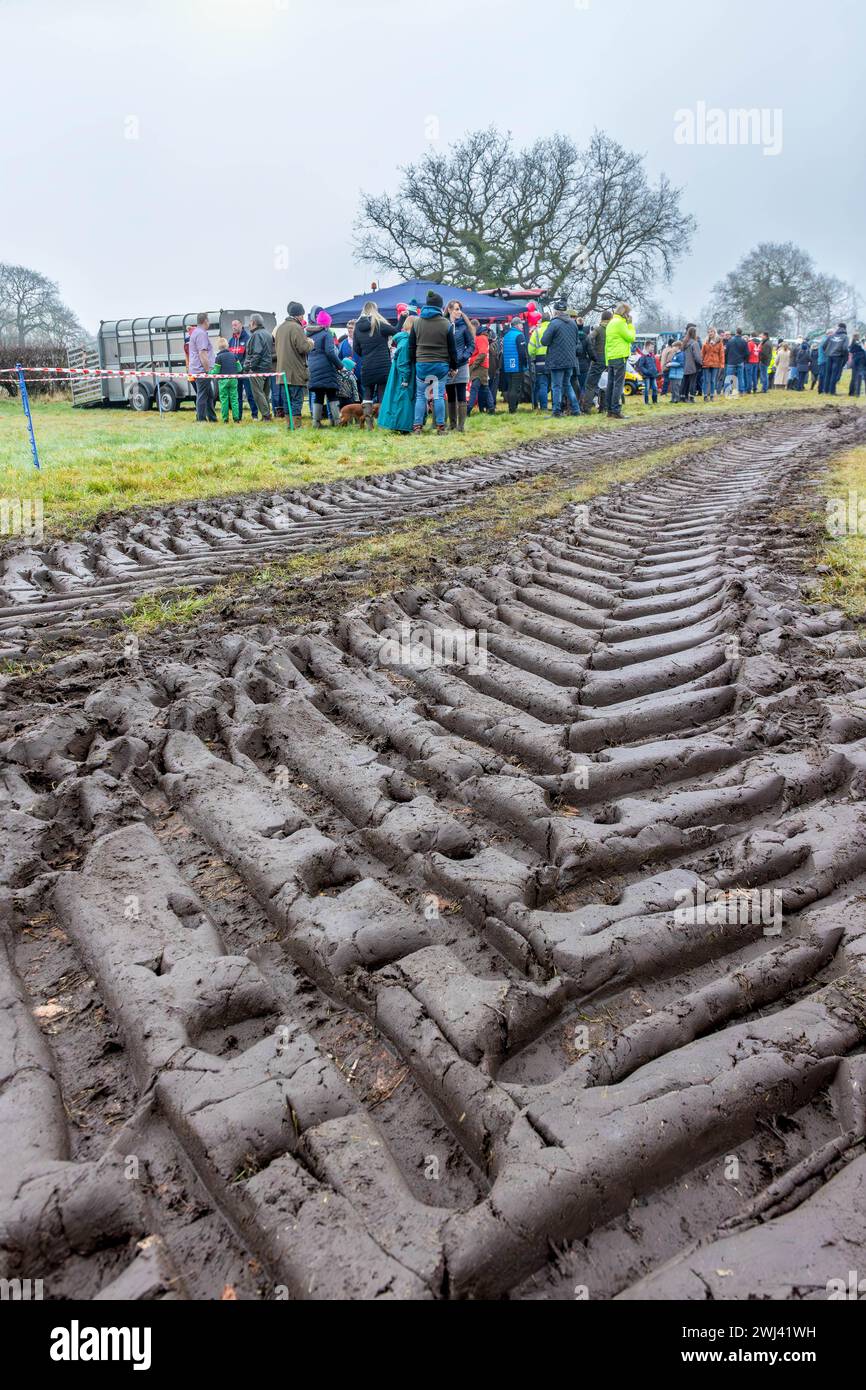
(173, 154)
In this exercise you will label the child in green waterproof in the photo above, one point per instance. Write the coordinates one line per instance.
(226, 368)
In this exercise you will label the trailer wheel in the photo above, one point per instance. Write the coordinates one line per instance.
(139, 397)
(168, 397)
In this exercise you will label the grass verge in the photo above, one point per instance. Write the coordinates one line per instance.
(103, 460)
(843, 554)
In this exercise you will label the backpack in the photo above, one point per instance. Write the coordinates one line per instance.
(347, 386)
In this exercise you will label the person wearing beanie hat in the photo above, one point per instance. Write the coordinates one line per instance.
(434, 357)
(560, 338)
(292, 348)
(412, 312)
(324, 365)
(515, 363)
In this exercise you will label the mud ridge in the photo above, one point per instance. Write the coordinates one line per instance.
(334, 971)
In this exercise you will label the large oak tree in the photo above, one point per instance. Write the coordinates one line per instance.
(582, 222)
(776, 288)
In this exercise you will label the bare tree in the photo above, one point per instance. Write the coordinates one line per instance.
(776, 287)
(31, 309)
(654, 316)
(585, 223)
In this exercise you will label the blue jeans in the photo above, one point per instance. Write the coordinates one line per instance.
(246, 386)
(542, 388)
(837, 366)
(765, 381)
(438, 373)
(649, 384)
(560, 378)
(858, 378)
(738, 372)
(296, 400)
(708, 383)
(479, 395)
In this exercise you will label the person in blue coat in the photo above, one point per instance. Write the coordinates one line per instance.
(648, 368)
(324, 363)
(397, 407)
(515, 363)
(803, 360)
(561, 340)
(858, 366)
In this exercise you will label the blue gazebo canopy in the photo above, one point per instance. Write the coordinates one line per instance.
(477, 306)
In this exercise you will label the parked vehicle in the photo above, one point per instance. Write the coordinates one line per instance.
(153, 348)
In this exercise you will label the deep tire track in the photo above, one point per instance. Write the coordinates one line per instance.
(64, 583)
(458, 869)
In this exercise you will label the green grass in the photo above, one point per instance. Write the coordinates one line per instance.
(167, 608)
(411, 552)
(102, 460)
(845, 554)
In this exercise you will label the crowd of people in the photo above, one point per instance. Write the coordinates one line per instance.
(435, 361)
(729, 362)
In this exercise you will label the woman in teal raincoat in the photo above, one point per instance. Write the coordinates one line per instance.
(397, 410)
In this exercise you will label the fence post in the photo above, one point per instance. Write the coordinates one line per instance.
(25, 401)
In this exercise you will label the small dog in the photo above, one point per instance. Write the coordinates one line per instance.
(354, 411)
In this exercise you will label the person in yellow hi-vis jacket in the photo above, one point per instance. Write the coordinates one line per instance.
(538, 364)
(617, 346)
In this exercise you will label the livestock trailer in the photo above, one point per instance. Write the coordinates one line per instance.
(153, 349)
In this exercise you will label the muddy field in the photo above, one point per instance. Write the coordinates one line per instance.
(96, 574)
(331, 971)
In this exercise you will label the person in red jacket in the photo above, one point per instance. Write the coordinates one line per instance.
(752, 364)
(479, 373)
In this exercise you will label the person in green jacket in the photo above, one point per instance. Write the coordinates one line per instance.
(617, 347)
(226, 368)
(397, 408)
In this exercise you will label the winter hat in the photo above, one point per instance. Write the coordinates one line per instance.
(348, 364)
(402, 309)
(434, 300)
(323, 319)
(560, 305)
(295, 310)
